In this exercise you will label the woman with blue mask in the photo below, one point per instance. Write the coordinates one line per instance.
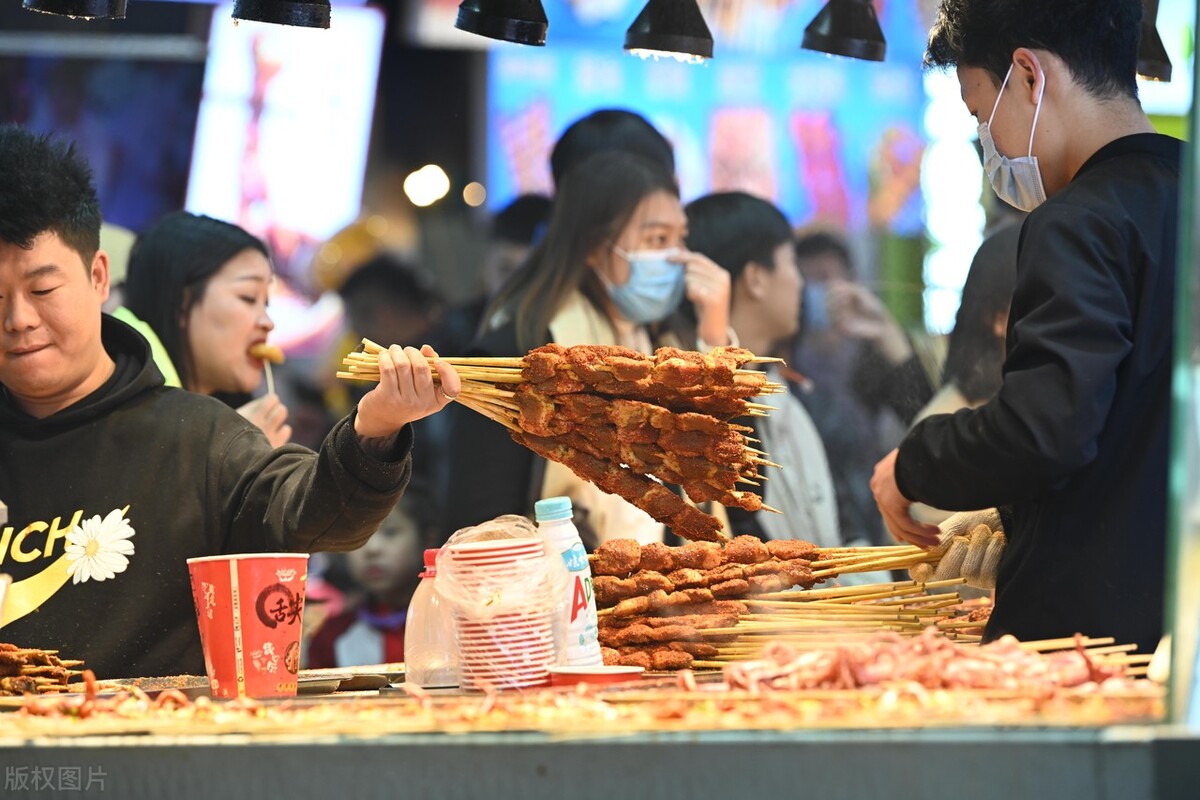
(612, 269)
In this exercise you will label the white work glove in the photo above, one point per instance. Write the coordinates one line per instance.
(971, 545)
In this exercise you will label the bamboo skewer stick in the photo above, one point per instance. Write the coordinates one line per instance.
(893, 562)
(1132, 658)
(824, 550)
(874, 590)
(954, 624)
(843, 561)
(505, 421)
(784, 620)
(836, 609)
(1112, 649)
(1066, 643)
(372, 348)
(494, 401)
(942, 601)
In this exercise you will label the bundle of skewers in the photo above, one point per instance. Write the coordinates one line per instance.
(28, 670)
(627, 422)
(704, 605)
(673, 607)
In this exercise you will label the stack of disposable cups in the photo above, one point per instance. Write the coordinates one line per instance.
(503, 612)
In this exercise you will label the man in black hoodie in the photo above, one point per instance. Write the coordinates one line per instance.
(113, 480)
(1073, 448)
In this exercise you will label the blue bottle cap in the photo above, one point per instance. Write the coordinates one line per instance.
(552, 508)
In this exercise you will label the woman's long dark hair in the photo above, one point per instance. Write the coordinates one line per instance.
(595, 202)
(169, 269)
(975, 354)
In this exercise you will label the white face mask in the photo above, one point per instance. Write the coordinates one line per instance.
(1017, 181)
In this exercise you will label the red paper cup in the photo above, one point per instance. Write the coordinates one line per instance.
(249, 608)
(601, 675)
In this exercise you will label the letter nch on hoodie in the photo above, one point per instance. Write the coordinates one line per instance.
(108, 498)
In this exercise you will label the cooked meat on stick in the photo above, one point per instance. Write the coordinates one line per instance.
(788, 549)
(676, 376)
(610, 590)
(617, 557)
(725, 619)
(602, 364)
(660, 600)
(622, 557)
(655, 499)
(658, 657)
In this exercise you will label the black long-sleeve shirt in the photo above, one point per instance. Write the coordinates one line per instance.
(1076, 442)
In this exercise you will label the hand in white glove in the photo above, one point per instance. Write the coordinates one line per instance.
(972, 543)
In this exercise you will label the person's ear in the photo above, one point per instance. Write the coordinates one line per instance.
(756, 278)
(185, 309)
(1028, 74)
(598, 260)
(99, 274)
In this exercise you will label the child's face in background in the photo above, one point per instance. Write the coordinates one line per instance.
(391, 559)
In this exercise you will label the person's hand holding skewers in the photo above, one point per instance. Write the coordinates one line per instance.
(406, 392)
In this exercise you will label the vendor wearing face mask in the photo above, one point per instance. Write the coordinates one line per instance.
(1073, 449)
(611, 270)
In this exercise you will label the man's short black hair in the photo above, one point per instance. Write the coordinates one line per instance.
(609, 129)
(735, 228)
(1096, 39)
(387, 279)
(46, 186)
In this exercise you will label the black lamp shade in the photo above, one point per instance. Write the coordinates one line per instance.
(846, 28)
(87, 9)
(1153, 61)
(284, 12)
(671, 26)
(519, 21)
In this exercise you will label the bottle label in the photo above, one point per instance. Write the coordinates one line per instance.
(581, 598)
(575, 557)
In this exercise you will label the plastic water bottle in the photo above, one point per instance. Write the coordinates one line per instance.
(580, 646)
(430, 650)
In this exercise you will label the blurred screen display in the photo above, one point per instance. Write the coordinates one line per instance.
(131, 118)
(283, 129)
(829, 140)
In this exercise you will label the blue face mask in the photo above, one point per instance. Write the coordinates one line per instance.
(815, 307)
(654, 289)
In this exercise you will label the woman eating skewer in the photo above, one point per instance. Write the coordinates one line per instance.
(202, 285)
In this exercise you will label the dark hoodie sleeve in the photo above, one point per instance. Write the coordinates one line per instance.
(292, 499)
